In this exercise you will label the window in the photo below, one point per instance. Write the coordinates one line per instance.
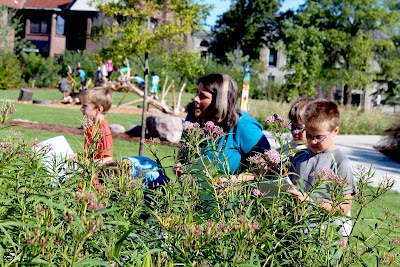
(271, 79)
(60, 25)
(39, 25)
(204, 43)
(273, 57)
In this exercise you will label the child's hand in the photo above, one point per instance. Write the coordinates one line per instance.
(298, 194)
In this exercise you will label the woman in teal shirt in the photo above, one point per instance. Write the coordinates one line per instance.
(216, 101)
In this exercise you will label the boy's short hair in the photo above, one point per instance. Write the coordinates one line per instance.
(297, 109)
(322, 111)
(98, 97)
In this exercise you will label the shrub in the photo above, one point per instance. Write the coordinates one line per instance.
(10, 70)
(86, 61)
(40, 71)
(352, 121)
(199, 219)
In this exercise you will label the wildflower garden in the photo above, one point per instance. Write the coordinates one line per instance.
(198, 219)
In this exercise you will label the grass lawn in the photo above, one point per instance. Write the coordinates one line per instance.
(54, 94)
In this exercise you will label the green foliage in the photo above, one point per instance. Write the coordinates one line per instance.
(334, 42)
(244, 27)
(67, 219)
(40, 71)
(82, 58)
(133, 35)
(353, 121)
(10, 70)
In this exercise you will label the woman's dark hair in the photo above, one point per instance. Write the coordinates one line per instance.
(224, 90)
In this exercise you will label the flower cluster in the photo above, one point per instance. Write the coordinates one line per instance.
(6, 110)
(268, 162)
(191, 126)
(276, 123)
(258, 193)
(325, 174)
(90, 199)
(87, 122)
(274, 118)
(212, 130)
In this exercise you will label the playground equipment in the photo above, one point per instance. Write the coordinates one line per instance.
(160, 104)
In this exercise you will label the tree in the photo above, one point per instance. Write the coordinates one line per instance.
(244, 27)
(152, 27)
(343, 36)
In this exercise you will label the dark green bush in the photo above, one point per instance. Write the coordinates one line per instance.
(40, 71)
(84, 59)
(10, 70)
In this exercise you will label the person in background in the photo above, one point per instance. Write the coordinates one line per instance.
(297, 128)
(98, 141)
(98, 77)
(154, 85)
(139, 81)
(110, 68)
(216, 101)
(321, 119)
(125, 71)
(104, 72)
(82, 75)
(63, 86)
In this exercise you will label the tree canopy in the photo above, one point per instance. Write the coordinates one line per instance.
(155, 27)
(244, 27)
(337, 41)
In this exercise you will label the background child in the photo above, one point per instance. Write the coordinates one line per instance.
(322, 120)
(95, 104)
(297, 128)
(63, 86)
(82, 75)
(154, 85)
(139, 81)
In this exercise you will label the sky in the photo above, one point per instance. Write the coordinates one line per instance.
(220, 6)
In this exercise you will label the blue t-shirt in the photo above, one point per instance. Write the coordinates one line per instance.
(139, 80)
(242, 139)
(147, 168)
(82, 74)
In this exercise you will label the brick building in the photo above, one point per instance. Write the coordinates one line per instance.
(56, 25)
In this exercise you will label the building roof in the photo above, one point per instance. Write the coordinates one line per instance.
(75, 5)
(12, 3)
(46, 4)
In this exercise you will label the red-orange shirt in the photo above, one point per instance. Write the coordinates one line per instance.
(102, 133)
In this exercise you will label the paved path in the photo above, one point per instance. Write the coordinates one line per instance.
(359, 149)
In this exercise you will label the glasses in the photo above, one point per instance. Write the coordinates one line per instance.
(317, 138)
(297, 128)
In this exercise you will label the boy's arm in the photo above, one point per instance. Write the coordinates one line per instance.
(344, 207)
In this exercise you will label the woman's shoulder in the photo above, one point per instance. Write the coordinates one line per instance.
(245, 120)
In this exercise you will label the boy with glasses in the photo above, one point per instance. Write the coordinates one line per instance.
(323, 158)
(297, 128)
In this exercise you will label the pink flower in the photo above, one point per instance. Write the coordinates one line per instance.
(258, 193)
(213, 130)
(273, 156)
(187, 126)
(274, 118)
(256, 159)
(87, 122)
(326, 174)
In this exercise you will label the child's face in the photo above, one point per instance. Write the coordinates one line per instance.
(298, 131)
(320, 138)
(90, 110)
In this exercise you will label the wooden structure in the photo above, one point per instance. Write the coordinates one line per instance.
(130, 88)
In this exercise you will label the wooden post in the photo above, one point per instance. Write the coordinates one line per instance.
(179, 98)
(166, 91)
(163, 89)
(173, 96)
